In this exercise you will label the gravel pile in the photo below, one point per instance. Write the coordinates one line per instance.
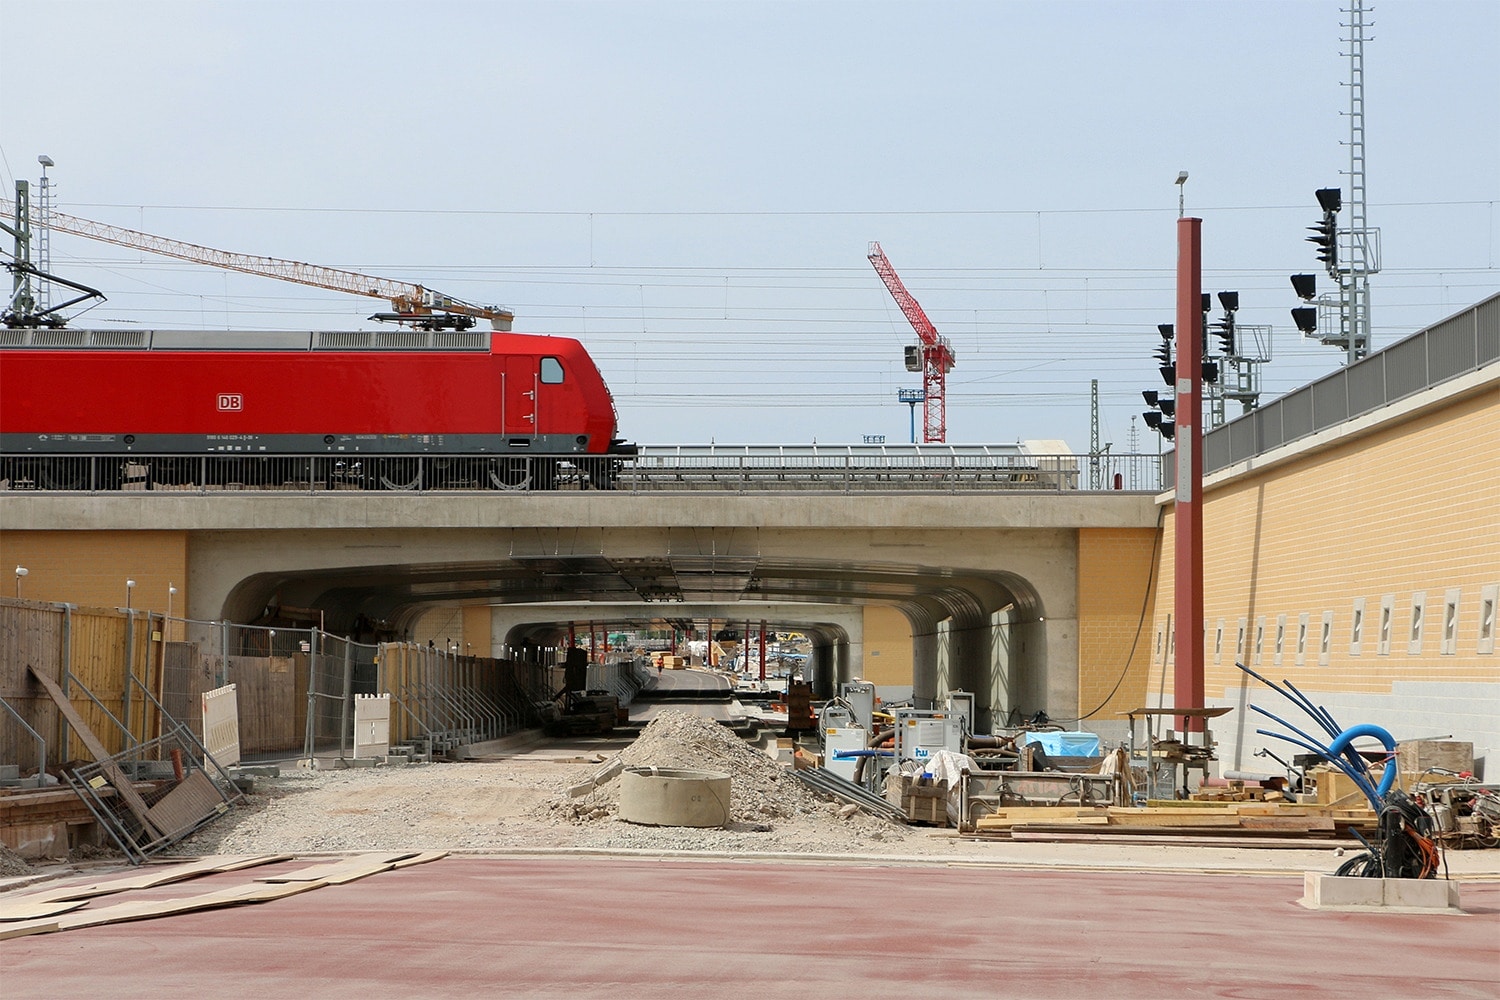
(760, 790)
(12, 863)
(522, 803)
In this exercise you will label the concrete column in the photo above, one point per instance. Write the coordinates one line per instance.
(969, 669)
(924, 661)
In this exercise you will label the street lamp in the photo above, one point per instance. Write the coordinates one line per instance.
(171, 593)
(129, 586)
(20, 572)
(1181, 192)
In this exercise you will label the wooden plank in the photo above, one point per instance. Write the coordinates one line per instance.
(420, 859)
(1013, 812)
(1172, 818)
(154, 876)
(123, 785)
(253, 892)
(346, 870)
(1061, 821)
(1307, 824)
(1177, 840)
(24, 909)
(28, 928)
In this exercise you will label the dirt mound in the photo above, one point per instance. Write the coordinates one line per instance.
(760, 790)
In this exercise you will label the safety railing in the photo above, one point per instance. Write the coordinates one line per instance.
(768, 469)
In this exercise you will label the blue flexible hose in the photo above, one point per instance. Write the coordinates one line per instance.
(1349, 735)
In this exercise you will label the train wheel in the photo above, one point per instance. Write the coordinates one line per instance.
(399, 473)
(20, 473)
(602, 472)
(63, 474)
(544, 475)
(174, 471)
(108, 473)
(509, 473)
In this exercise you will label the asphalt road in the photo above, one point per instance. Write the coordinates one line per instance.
(640, 928)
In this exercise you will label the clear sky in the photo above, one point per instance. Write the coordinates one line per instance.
(690, 188)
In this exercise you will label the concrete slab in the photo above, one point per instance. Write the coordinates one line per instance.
(584, 928)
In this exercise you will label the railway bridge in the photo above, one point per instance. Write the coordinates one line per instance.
(982, 591)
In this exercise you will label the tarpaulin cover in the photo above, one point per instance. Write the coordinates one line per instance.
(1065, 744)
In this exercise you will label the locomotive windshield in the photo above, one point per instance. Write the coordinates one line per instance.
(552, 371)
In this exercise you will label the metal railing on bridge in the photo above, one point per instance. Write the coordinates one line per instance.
(670, 468)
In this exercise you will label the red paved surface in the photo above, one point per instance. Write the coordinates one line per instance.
(471, 927)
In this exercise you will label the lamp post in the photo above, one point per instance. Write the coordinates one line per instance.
(167, 624)
(20, 572)
(129, 587)
(911, 397)
(1181, 192)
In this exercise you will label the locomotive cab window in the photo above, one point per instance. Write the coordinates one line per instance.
(552, 371)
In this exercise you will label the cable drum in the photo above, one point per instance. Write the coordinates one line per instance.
(668, 796)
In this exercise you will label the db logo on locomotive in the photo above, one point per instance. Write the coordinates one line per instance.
(231, 401)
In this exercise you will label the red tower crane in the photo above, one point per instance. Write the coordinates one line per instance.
(932, 355)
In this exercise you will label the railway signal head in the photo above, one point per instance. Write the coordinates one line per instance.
(1163, 354)
(1160, 424)
(1306, 318)
(1305, 285)
(1159, 417)
(1224, 331)
(1325, 235)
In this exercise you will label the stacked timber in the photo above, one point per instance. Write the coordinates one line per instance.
(1172, 821)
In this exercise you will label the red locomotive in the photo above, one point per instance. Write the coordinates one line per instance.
(376, 408)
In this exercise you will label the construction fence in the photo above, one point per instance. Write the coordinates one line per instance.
(132, 677)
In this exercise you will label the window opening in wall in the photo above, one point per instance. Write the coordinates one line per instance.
(1325, 640)
(1301, 636)
(1239, 641)
(1488, 598)
(1387, 609)
(1280, 637)
(1260, 639)
(1357, 627)
(1450, 622)
(1418, 613)
(1219, 643)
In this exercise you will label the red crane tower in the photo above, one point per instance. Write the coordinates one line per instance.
(932, 355)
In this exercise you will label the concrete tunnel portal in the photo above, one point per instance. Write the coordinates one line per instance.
(979, 632)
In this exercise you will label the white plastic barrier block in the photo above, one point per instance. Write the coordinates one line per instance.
(372, 725)
(221, 725)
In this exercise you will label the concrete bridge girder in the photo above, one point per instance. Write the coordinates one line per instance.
(989, 582)
(444, 573)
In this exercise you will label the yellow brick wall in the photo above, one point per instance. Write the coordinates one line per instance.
(1407, 509)
(1114, 619)
(89, 568)
(887, 649)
